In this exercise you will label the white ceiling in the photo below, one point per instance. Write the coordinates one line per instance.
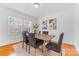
(44, 9)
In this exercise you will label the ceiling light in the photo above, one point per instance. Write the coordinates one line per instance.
(36, 5)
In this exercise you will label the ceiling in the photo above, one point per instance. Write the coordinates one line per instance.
(44, 9)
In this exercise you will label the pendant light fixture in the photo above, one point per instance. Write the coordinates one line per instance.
(36, 5)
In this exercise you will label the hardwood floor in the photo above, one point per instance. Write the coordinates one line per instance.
(8, 49)
(70, 50)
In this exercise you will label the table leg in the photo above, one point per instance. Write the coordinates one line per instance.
(23, 44)
(44, 52)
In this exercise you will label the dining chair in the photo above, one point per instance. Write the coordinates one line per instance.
(34, 42)
(56, 46)
(25, 38)
(45, 32)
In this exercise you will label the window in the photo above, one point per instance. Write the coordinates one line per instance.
(17, 25)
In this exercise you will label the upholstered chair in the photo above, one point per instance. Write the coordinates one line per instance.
(34, 42)
(25, 38)
(56, 46)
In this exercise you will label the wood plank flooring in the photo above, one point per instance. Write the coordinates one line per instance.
(8, 49)
(70, 50)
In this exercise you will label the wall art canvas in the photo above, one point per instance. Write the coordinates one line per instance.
(52, 24)
(44, 24)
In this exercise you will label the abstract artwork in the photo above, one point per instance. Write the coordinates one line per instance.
(52, 24)
(44, 24)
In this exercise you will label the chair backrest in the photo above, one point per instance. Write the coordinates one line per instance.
(24, 35)
(31, 36)
(45, 32)
(60, 40)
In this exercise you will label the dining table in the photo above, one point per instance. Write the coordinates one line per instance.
(46, 38)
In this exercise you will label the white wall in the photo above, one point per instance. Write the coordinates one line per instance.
(4, 13)
(77, 26)
(65, 23)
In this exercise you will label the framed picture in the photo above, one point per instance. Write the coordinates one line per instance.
(44, 24)
(52, 24)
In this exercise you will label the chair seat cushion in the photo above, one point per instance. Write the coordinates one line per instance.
(26, 40)
(39, 42)
(36, 43)
(52, 46)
